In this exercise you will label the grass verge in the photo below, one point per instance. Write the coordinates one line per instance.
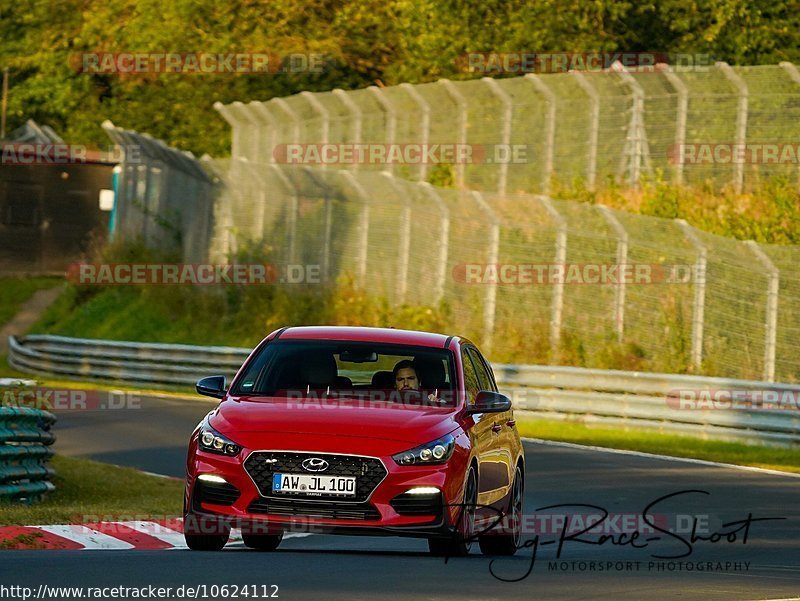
(89, 491)
(775, 458)
(14, 291)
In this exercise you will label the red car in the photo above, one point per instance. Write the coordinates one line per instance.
(355, 430)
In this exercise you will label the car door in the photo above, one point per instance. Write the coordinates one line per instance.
(493, 458)
(508, 438)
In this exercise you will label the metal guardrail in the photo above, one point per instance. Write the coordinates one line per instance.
(25, 440)
(627, 399)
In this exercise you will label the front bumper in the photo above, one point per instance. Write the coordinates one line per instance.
(386, 509)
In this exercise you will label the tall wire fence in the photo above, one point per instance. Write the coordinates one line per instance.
(683, 125)
(693, 301)
(515, 268)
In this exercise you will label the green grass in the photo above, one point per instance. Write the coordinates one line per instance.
(14, 291)
(88, 490)
(649, 441)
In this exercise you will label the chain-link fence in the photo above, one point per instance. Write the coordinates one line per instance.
(163, 196)
(560, 276)
(567, 282)
(728, 125)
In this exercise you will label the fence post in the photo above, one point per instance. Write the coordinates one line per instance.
(557, 310)
(443, 240)
(550, 128)
(680, 123)
(622, 259)
(699, 309)
(284, 106)
(324, 116)
(425, 126)
(355, 114)
(363, 226)
(291, 241)
(636, 147)
(391, 119)
(771, 326)
(494, 250)
(503, 96)
(741, 120)
(793, 72)
(227, 114)
(250, 121)
(594, 126)
(267, 154)
(403, 256)
(459, 99)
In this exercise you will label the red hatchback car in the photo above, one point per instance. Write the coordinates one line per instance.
(355, 430)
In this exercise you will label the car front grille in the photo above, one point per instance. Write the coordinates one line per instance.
(368, 472)
(329, 510)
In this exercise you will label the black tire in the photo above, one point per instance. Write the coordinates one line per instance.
(508, 543)
(459, 543)
(206, 542)
(262, 542)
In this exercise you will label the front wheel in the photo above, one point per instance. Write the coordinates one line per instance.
(507, 540)
(262, 542)
(459, 543)
(200, 541)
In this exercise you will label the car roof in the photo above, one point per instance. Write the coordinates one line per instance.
(363, 334)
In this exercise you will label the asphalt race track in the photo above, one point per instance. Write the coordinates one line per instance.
(767, 566)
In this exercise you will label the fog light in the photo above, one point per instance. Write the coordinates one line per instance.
(211, 478)
(423, 490)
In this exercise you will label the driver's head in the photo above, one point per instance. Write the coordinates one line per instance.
(405, 376)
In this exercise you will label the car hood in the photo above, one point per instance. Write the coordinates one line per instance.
(403, 423)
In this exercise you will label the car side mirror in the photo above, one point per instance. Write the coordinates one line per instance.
(489, 402)
(213, 386)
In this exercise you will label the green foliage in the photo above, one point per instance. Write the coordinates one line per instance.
(14, 291)
(366, 42)
(768, 212)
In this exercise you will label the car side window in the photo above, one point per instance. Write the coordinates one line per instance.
(484, 380)
(470, 377)
(487, 370)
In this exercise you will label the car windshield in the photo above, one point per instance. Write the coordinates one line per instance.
(315, 368)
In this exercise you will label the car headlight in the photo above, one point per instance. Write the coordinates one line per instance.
(432, 453)
(212, 441)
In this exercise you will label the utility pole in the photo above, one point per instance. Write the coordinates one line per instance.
(5, 104)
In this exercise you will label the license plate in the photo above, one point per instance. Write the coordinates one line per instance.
(342, 486)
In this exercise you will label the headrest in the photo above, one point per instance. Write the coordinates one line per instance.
(382, 380)
(430, 373)
(318, 370)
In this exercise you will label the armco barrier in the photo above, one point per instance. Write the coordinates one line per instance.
(628, 399)
(25, 440)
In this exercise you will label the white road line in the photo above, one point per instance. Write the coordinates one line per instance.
(89, 538)
(746, 468)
